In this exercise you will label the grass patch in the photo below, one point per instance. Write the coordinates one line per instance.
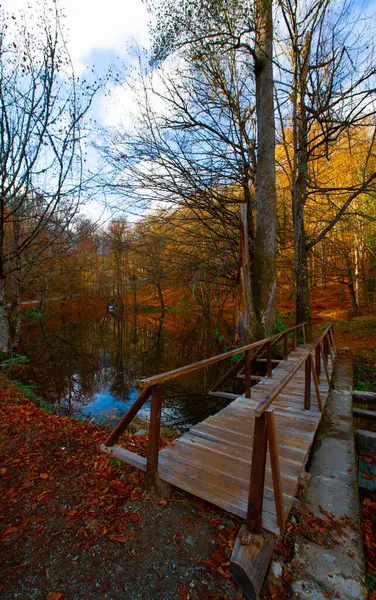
(365, 370)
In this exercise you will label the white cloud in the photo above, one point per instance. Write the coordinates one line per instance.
(98, 25)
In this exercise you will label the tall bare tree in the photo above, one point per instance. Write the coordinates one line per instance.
(328, 81)
(42, 110)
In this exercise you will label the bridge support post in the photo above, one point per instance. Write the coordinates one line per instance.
(154, 435)
(307, 384)
(247, 373)
(318, 361)
(285, 346)
(269, 359)
(257, 481)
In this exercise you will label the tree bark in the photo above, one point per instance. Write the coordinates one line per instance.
(4, 322)
(299, 191)
(248, 328)
(265, 275)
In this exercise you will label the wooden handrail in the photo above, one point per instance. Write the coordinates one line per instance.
(280, 385)
(214, 359)
(265, 430)
(127, 418)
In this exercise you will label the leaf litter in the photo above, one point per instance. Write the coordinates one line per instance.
(77, 525)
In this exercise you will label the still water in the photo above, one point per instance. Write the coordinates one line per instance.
(90, 366)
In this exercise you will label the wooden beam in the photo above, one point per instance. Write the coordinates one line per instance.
(361, 413)
(164, 489)
(257, 481)
(325, 363)
(225, 395)
(276, 471)
(282, 383)
(316, 383)
(253, 377)
(213, 360)
(307, 383)
(285, 346)
(154, 435)
(318, 360)
(198, 365)
(364, 397)
(127, 418)
(232, 371)
(250, 560)
(269, 368)
(275, 361)
(123, 454)
(247, 374)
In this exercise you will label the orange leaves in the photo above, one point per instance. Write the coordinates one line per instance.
(43, 475)
(119, 539)
(182, 594)
(9, 530)
(55, 596)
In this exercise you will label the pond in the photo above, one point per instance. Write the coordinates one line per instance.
(90, 365)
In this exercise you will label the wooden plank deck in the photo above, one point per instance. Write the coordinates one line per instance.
(213, 459)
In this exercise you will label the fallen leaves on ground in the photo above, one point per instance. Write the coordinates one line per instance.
(51, 468)
(368, 518)
(60, 490)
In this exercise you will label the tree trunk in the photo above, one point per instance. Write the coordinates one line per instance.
(160, 294)
(4, 323)
(17, 331)
(352, 287)
(265, 275)
(299, 191)
(247, 324)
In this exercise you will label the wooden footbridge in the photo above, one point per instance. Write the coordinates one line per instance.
(247, 458)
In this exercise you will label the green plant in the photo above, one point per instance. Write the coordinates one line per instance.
(14, 360)
(29, 391)
(364, 371)
(280, 323)
(33, 315)
(371, 582)
(236, 357)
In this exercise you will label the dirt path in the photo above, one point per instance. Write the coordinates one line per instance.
(76, 525)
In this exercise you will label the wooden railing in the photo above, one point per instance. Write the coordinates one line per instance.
(152, 386)
(264, 429)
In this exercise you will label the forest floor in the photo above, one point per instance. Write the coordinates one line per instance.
(77, 525)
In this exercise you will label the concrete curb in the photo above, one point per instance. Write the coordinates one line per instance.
(338, 571)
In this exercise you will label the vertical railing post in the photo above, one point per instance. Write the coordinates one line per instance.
(257, 480)
(331, 333)
(154, 435)
(316, 383)
(324, 362)
(330, 346)
(247, 373)
(326, 350)
(307, 384)
(294, 339)
(318, 361)
(285, 346)
(304, 333)
(276, 471)
(269, 367)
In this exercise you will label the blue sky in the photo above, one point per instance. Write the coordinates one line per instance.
(99, 33)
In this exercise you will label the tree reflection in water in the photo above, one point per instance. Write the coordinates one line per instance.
(92, 367)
